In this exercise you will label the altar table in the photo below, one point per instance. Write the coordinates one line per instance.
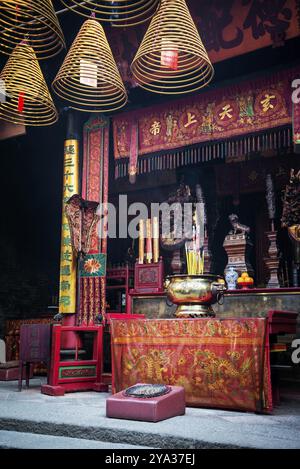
(222, 363)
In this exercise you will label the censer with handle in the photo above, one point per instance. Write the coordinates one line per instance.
(194, 295)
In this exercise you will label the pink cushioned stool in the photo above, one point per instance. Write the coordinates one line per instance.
(147, 409)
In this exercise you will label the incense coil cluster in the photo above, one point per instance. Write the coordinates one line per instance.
(35, 20)
(172, 31)
(24, 80)
(89, 78)
(123, 13)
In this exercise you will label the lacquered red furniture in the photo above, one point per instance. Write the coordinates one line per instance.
(34, 348)
(279, 323)
(282, 322)
(76, 374)
(120, 278)
(148, 278)
(108, 377)
(12, 340)
(110, 316)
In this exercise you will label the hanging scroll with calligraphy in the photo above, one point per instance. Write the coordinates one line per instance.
(68, 262)
(94, 189)
(218, 124)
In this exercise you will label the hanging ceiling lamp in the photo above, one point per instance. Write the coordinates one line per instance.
(120, 13)
(89, 78)
(171, 58)
(28, 100)
(35, 19)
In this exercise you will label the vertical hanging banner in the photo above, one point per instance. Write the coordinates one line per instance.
(68, 263)
(95, 189)
(134, 152)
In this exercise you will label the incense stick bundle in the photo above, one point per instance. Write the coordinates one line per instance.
(195, 248)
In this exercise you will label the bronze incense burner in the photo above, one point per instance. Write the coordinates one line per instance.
(194, 295)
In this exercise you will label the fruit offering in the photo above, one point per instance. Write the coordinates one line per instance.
(245, 281)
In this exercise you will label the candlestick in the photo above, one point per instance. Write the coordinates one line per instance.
(272, 225)
(141, 242)
(155, 240)
(270, 197)
(272, 261)
(148, 241)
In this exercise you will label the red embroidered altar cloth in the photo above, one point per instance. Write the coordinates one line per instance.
(220, 363)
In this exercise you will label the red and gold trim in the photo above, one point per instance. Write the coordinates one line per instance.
(68, 262)
(220, 363)
(224, 123)
(95, 188)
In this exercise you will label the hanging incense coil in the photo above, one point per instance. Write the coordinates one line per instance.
(171, 58)
(28, 99)
(89, 78)
(121, 13)
(35, 20)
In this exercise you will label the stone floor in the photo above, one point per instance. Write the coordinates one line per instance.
(77, 420)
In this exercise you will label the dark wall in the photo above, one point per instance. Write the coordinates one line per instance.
(30, 181)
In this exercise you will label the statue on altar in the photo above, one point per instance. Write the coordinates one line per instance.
(200, 198)
(237, 245)
(171, 242)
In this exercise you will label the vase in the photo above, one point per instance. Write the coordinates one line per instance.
(231, 277)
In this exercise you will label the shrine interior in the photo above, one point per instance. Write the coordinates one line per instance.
(112, 304)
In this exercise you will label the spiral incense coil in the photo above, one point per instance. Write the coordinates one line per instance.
(28, 99)
(120, 13)
(171, 58)
(34, 19)
(89, 78)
